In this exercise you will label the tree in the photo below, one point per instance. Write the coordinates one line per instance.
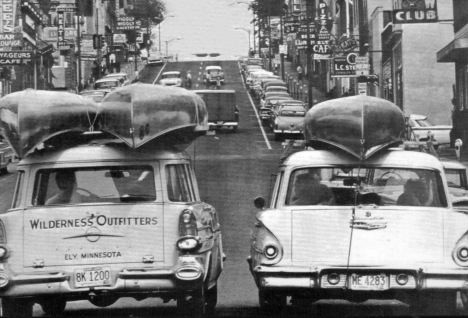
(265, 8)
(147, 10)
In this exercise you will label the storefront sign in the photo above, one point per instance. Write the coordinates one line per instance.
(11, 39)
(414, 11)
(120, 38)
(322, 45)
(362, 89)
(362, 65)
(348, 44)
(344, 66)
(127, 23)
(15, 57)
(61, 44)
(8, 15)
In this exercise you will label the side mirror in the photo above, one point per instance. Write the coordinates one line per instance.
(259, 202)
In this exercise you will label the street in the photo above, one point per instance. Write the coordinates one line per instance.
(232, 169)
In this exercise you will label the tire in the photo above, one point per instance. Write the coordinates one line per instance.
(54, 307)
(4, 170)
(434, 303)
(278, 137)
(271, 303)
(12, 307)
(192, 304)
(211, 299)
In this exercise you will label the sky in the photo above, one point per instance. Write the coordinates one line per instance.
(205, 26)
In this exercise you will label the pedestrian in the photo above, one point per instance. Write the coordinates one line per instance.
(208, 81)
(345, 94)
(218, 82)
(299, 73)
(188, 80)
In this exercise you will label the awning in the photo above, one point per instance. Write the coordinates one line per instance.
(455, 51)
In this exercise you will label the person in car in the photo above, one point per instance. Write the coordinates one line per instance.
(416, 193)
(66, 182)
(309, 191)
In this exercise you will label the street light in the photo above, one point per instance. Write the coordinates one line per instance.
(253, 24)
(169, 41)
(247, 30)
(159, 27)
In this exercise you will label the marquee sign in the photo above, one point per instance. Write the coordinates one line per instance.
(11, 39)
(15, 57)
(414, 11)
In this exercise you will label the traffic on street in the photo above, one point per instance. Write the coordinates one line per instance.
(233, 158)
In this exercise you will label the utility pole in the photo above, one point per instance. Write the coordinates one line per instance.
(310, 12)
(282, 45)
(269, 37)
(134, 52)
(78, 42)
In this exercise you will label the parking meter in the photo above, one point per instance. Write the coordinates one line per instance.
(458, 145)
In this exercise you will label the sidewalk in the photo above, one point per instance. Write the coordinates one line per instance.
(299, 88)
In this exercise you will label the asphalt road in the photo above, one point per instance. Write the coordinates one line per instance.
(232, 169)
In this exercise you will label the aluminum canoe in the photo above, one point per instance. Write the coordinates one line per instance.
(30, 117)
(359, 125)
(140, 113)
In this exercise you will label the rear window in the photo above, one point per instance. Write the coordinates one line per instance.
(108, 84)
(116, 184)
(292, 113)
(179, 184)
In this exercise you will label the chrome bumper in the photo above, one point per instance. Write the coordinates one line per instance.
(280, 131)
(224, 124)
(276, 277)
(187, 274)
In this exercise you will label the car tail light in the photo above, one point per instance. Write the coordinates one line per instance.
(266, 245)
(4, 279)
(402, 279)
(189, 240)
(462, 253)
(3, 239)
(333, 278)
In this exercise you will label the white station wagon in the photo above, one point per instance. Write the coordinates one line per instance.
(354, 218)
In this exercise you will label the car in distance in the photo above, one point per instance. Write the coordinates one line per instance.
(457, 181)
(268, 104)
(222, 108)
(421, 126)
(107, 83)
(173, 78)
(214, 71)
(6, 156)
(359, 237)
(154, 60)
(288, 121)
(95, 95)
(120, 75)
(102, 186)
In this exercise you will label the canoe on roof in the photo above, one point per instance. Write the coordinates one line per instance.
(140, 113)
(360, 125)
(30, 117)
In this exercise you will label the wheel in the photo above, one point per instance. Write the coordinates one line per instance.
(54, 306)
(91, 196)
(434, 303)
(391, 174)
(12, 307)
(278, 137)
(271, 303)
(192, 304)
(211, 299)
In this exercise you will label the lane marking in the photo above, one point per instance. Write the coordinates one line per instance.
(258, 118)
(162, 68)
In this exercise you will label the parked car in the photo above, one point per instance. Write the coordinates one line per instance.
(269, 102)
(271, 95)
(110, 207)
(173, 78)
(457, 181)
(6, 156)
(154, 60)
(223, 111)
(214, 71)
(268, 82)
(107, 83)
(121, 75)
(288, 120)
(359, 236)
(420, 125)
(255, 86)
(95, 95)
(254, 75)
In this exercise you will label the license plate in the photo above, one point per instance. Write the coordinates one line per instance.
(92, 276)
(369, 282)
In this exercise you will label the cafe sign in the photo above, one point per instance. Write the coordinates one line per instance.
(15, 57)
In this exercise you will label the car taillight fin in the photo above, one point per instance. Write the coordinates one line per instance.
(187, 223)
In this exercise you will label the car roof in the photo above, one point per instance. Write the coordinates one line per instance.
(171, 72)
(108, 79)
(213, 67)
(416, 116)
(391, 158)
(294, 108)
(452, 164)
(116, 74)
(94, 92)
(268, 94)
(277, 97)
(282, 88)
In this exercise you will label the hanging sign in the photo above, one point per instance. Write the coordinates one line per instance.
(11, 39)
(344, 66)
(15, 57)
(322, 44)
(414, 11)
(8, 15)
